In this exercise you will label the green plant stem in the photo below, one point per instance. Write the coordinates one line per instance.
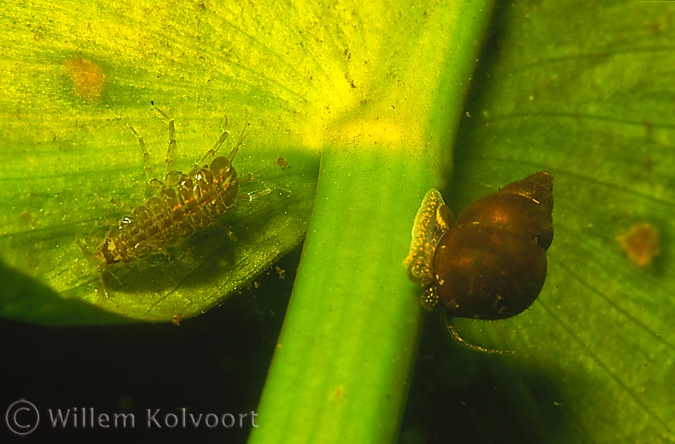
(350, 338)
(346, 352)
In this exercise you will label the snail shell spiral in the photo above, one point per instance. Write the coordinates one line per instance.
(491, 262)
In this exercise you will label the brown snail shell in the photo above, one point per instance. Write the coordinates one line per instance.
(491, 263)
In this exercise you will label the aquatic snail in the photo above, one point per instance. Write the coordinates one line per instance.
(491, 262)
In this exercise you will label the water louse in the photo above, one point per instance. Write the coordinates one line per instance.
(183, 203)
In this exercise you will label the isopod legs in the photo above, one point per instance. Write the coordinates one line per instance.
(227, 230)
(101, 267)
(152, 181)
(172, 141)
(250, 196)
(115, 202)
(100, 277)
(146, 157)
(170, 150)
(252, 177)
(243, 136)
(208, 157)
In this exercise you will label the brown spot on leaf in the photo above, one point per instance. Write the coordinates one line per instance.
(641, 244)
(87, 77)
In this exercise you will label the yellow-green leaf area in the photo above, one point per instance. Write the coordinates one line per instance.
(72, 167)
(297, 75)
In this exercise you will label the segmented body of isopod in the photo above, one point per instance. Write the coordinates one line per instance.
(491, 262)
(183, 204)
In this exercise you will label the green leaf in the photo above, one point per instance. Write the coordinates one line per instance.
(71, 168)
(585, 91)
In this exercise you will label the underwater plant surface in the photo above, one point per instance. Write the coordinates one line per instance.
(80, 93)
(582, 90)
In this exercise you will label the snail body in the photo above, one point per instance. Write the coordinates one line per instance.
(491, 262)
